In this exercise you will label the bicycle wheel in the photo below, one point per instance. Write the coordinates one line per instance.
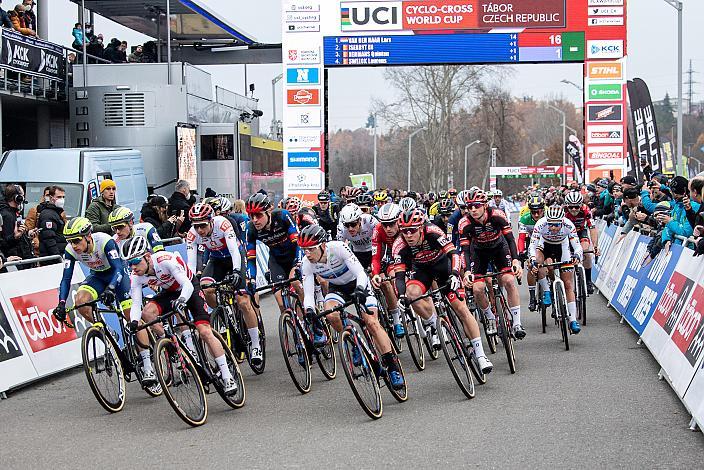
(466, 346)
(402, 394)
(234, 400)
(152, 390)
(414, 340)
(490, 339)
(580, 281)
(219, 322)
(387, 321)
(504, 330)
(561, 307)
(543, 308)
(181, 384)
(433, 353)
(362, 379)
(259, 369)
(326, 354)
(295, 352)
(103, 369)
(454, 354)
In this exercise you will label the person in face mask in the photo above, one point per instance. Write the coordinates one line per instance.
(18, 20)
(33, 217)
(30, 18)
(51, 224)
(13, 228)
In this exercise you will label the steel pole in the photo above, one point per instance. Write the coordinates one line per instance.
(466, 151)
(168, 41)
(376, 177)
(410, 141)
(85, 52)
(564, 138)
(680, 102)
(532, 163)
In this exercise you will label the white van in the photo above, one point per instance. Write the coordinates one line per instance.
(79, 171)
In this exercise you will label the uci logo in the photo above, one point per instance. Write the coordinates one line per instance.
(370, 16)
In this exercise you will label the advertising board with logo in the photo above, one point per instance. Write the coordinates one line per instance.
(606, 155)
(33, 56)
(303, 55)
(303, 159)
(303, 96)
(304, 139)
(604, 91)
(605, 134)
(612, 70)
(605, 49)
(604, 113)
(299, 117)
(303, 76)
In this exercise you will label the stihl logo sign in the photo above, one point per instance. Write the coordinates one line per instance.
(605, 70)
(42, 330)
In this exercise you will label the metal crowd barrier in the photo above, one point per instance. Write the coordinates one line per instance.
(22, 262)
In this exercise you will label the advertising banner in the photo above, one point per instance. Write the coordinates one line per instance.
(606, 239)
(694, 397)
(32, 56)
(15, 366)
(647, 140)
(613, 271)
(628, 282)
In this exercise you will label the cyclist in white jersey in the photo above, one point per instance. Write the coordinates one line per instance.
(225, 258)
(357, 228)
(178, 289)
(334, 262)
(555, 239)
(121, 222)
(498, 202)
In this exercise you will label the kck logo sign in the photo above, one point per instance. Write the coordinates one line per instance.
(371, 16)
(49, 63)
(17, 55)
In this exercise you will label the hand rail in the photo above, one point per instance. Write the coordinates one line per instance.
(22, 262)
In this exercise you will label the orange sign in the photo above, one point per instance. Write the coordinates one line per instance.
(605, 70)
(303, 96)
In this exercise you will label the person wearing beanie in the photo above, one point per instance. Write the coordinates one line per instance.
(676, 222)
(100, 207)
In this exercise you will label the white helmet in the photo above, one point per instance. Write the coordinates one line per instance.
(225, 204)
(498, 192)
(574, 198)
(555, 214)
(459, 200)
(407, 204)
(135, 247)
(350, 213)
(389, 213)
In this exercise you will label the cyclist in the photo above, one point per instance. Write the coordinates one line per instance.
(380, 198)
(276, 229)
(292, 204)
(498, 202)
(305, 217)
(385, 233)
(453, 221)
(486, 237)
(225, 259)
(426, 250)
(121, 222)
(239, 220)
(526, 223)
(107, 278)
(407, 204)
(365, 203)
(555, 239)
(444, 211)
(178, 290)
(579, 214)
(328, 214)
(357, 228)
(335, 262)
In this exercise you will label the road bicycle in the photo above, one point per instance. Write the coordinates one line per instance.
(559, 300)
(107, 365)
(361, 360)
(504, 319)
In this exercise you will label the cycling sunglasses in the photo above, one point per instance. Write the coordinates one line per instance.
(409, 231)
(75, 241)
(554, 224)
(574, 207)
(200, 226)
(117, 228)
(134, 261)
(475, 205)
(388, 224)
(351, 224)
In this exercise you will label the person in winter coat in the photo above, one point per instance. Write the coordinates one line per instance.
(180, 203)
(100, 208)
(33, 217)
(77, 34)
(155, 211)
(15, 239)
(676, 222)
(51, 223)
(30, 18)
(4, 19)
(112, 52)
(95, 48)
(19, 22)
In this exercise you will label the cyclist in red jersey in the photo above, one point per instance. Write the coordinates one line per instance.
(383, 237)
(579, 214)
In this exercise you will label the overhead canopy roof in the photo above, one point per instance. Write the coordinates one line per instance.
(192, 20)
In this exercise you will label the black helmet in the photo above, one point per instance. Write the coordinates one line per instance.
(257, 203)
(446, 207)
(364, 200)
(323, 196)
(312, 235)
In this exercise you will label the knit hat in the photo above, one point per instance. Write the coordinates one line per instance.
(663, 206)
(107, 183)
(679, 184)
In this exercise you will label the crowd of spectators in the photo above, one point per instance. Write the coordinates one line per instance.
(114, 51)
(21, 18)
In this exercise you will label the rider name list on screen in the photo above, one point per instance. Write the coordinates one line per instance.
(453, 48)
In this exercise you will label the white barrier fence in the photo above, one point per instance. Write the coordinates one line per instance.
(662, 299)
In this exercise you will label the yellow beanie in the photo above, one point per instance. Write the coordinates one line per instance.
(107, 183)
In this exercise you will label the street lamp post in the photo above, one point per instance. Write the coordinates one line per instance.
(568, 82)
(532, 162)
(564, 138)
(273, 103)
(466, 150)
(677, 5)
(410, 141)
(573, 131)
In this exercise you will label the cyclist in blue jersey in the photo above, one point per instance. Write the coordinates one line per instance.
(121, 222)
(108, 277)
(277, 230)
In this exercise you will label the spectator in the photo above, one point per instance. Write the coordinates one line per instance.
(4, 19)
(30, 18)
(95, 48)
(33, 217)
(77, 34)
(122, 52)
(238, 206)
(137, 56)
(676, 222)
(149, 52)
(19, 22)
(90, 34)
(14, 237)
(100, 207)
(51, 224)
(111, 52)
(180, 203)
(696, 187)
(155, 211)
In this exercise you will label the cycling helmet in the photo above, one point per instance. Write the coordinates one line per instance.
(350, 213)
(446, 207)
(452, 192)
(311, 236)
(120, 216)
(225, 204)
(475, 195)
(490, 194)
(135, 247)
(303, 212)
(364, 200)
(293, 204)
(498, 192)
(380, 196)
(407, 204)
(78, 227)
(412, 194)
(603, 183)
(432, 196)
(389, 213)
(323, 196)
(411, 219)
(257, 203)
(555, 214)
(535, 203)
(200, 212)
(459, 200)
(574, 198)
(442, 195)
(214, 202)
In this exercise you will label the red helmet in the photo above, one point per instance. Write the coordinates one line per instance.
(257, 203)
(312, 235)
(201, 211)
(412, 219)
(475, 195)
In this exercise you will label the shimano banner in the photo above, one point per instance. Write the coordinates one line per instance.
(646, 132)
(32, 56)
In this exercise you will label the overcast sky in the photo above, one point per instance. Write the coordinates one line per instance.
(652, 56)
